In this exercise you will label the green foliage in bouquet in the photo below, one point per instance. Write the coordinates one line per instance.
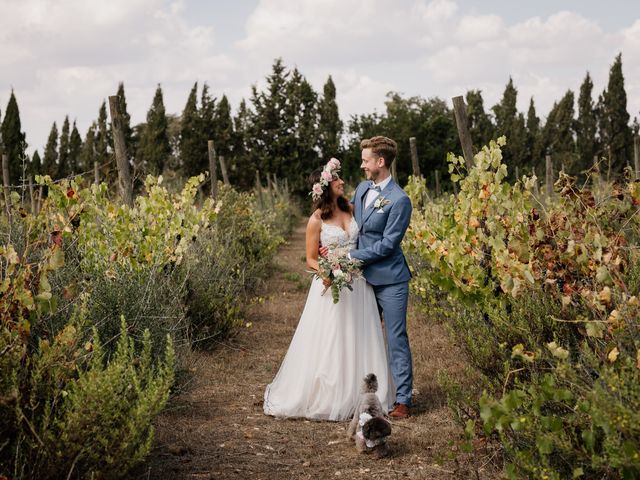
(550, 288)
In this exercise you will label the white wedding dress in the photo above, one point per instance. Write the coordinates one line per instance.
(333, 348)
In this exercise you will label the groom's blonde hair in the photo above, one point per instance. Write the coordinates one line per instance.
(383, 147)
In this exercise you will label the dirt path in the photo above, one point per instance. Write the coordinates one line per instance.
(216, 430)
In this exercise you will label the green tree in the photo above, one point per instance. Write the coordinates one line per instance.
(511, 124)
(50, 160)
(192, 152)
(36, 165)
(268, 142)
(223, 132)
(126, 123)
(329, 124)
(243, 174)
(429, 120)
(13, 139)
(480, 125)
(615, 132)
(586, 125)
(302, 115)
(534, 142)
(154, 150)
(88, 151)
(63, 152)
(75, 149)
(558, 133)
(102, 141)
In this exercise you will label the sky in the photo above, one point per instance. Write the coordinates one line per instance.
(63, 57)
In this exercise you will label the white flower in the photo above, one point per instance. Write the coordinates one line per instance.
(338, 273)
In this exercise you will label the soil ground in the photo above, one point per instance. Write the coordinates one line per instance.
(216, 429)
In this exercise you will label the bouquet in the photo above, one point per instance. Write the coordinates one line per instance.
(340, 269)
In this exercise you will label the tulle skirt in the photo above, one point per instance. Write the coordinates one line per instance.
(333, 348)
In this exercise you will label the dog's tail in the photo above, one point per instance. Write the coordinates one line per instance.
(370, 383)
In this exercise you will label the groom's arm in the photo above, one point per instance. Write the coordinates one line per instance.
(397, 224)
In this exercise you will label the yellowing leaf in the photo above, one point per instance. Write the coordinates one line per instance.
(605, 296)
(557, 351)
(595, 329)
(613, 354)
(57, 259)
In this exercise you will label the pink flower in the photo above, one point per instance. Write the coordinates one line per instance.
(317, 189)
(334, 163)
(327, 176)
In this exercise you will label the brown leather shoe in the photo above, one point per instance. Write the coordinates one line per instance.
(400, 411)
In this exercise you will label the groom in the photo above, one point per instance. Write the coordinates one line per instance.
(383, 212)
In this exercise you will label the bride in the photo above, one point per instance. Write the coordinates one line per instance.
(335, 345)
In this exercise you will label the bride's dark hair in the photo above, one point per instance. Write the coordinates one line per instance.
(324, 203)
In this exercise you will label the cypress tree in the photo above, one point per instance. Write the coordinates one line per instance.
(480, 125)
(508, 123)
(154, 150)
(88, 151)
(102, 141)
(558, 133)
(13, 139)
(223, 123)
(63, 153)
(75, 149)
(616, 133)
(49, 162)
(191, 150)
(207, 113)
(586, 125)
(126, 123)
(329, 124)
(244, 173)
(36, 165)
(534, 155)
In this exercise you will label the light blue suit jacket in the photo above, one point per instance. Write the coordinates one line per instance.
(381, 232)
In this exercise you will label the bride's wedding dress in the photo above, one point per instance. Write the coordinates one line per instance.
(333, 348)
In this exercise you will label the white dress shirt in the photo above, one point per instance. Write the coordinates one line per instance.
(372, 194)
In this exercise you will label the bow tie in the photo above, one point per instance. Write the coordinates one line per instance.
(375, 187)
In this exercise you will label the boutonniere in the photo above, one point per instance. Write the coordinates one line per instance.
(380, 202)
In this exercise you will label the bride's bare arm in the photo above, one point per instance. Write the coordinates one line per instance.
(313, 240)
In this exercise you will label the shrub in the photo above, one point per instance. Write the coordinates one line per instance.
(551, 293)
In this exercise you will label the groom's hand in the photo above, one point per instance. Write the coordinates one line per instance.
(326, 282)
(323, 251)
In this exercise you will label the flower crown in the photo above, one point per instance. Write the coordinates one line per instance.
(329, 172)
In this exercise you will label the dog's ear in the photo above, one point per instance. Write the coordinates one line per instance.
(376, 428)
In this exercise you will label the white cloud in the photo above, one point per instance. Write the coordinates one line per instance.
(65, 57)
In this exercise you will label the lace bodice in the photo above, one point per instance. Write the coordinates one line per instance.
(335, 236)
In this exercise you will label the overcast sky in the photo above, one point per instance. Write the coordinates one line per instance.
(66, 56)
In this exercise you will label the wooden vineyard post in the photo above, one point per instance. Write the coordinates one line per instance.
(636, 155)
(32, 205)
(223, 169)
(5, 183)
(125, 187)
(259, 189)
(460, 112)
(414, 157)
(536, 189)
(96, 173)
(437, 175)
(213, 170)
(548, 178)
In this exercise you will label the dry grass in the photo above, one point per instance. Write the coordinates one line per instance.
(216, 429)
